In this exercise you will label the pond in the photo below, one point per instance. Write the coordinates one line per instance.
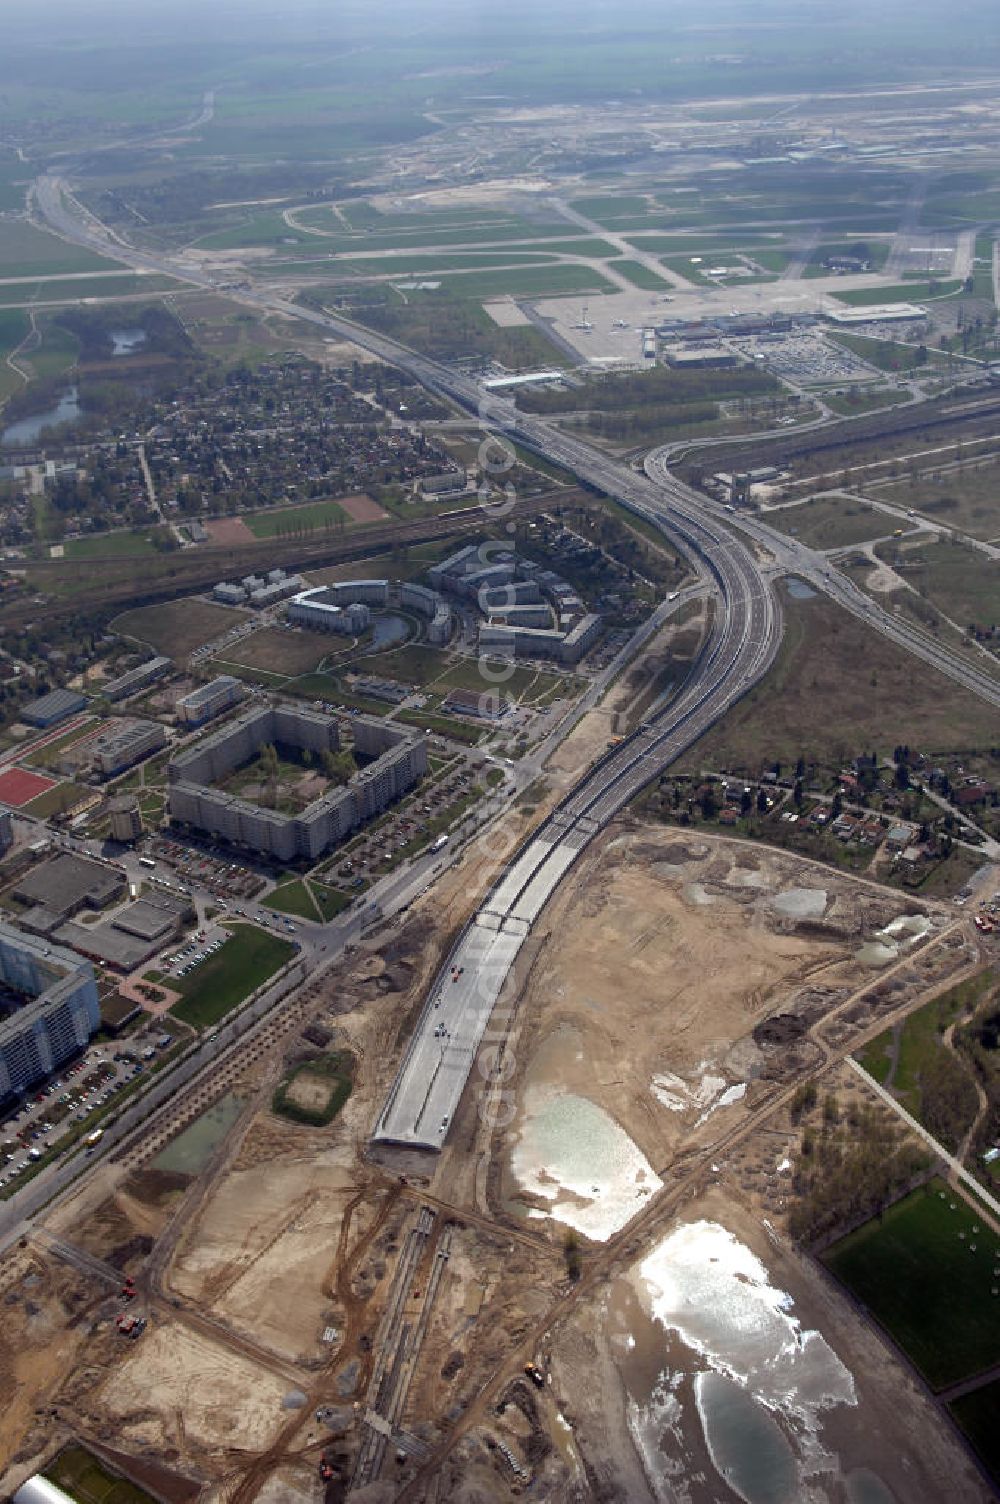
(124, 341)
(190, 1151)
(26, 430)
(388, 630)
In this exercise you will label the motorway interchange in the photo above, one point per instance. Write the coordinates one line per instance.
(743, 640)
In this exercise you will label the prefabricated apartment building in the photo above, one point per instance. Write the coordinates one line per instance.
(399, 760)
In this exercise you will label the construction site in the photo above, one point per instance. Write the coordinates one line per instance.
(260, 1308)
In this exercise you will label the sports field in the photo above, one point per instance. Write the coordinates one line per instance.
(18, 786)
(928, 1270)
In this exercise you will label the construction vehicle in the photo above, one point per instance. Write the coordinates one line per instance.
(326, 1469)
(128, 1289)
(131, 1326)
(535, 1374)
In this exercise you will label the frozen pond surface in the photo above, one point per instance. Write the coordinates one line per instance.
(800, 903)
(573, 1155)
(761, 1379)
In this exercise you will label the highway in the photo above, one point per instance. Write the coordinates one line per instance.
(793, 557)
(742, 642)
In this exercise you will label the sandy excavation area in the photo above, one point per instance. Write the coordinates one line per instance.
(261, 1251)
(650, 995)
(178, 1385)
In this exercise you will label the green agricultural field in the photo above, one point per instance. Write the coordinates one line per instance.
(229, 976)
(28, 252)
(832, 521)
(925, 1271)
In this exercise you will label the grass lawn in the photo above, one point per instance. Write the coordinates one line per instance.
(916, 1036)
(836, 688)
(176, 628)
(282, 520)
(960, 581)
(832, 521)
(222, 982)
(315, 1091)
(14, 326)
(867, 399)
(978, 1416)
(527, 282)
(967, 499)
(329, 901)
(44, 755)
(641, 276)
(901, 292)
(886, 354)
(55, 800)
(293, 898)
(79, 1471)
(276, 650)
(71, 289)
(118, 545)
(926, 1274)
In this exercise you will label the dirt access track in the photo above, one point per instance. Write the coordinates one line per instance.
(268, 1274)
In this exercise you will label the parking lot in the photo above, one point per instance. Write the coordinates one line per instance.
(806, 359)
(84, 1090)
(209, 867)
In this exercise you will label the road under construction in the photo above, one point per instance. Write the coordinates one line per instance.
(742, 641)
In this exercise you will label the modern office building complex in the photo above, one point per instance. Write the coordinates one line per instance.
(48, 1008)
(398, 760)
(530, 611)
(338, 608)
(429, 604)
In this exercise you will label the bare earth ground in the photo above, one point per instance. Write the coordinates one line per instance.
(229, 531)
(362, 508)
(267, 1276)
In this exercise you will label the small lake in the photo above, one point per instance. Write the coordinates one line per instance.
(799, 590)
(26, 430)
(124, 341)
(388, 630)
(746, 1446)
(190, 1151)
